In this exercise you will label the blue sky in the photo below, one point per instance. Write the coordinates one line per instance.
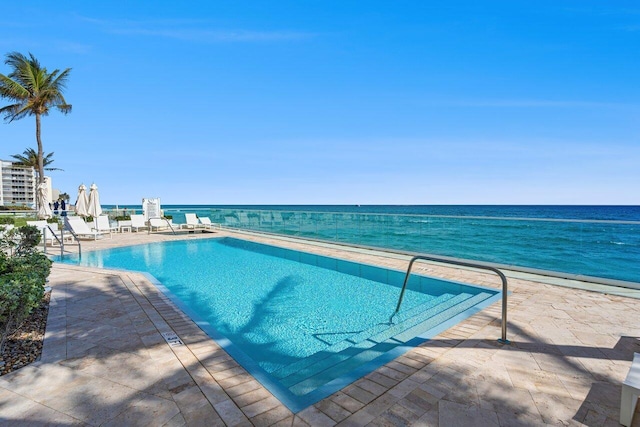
(339, 102)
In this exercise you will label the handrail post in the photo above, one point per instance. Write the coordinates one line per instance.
(53, 235)
(404, 285)
(503, 278)
(75, 236)
(503, 339)
(170, 226)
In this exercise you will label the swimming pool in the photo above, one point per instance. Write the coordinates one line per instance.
(304, 325)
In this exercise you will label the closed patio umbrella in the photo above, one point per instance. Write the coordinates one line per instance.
(44, 211)
(94, 202)
(82, 205)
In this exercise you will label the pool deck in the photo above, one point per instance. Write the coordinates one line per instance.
(106, 362)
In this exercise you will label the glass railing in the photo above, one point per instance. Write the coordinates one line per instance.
(606, 249)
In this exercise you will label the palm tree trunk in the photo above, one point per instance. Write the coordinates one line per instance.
(40, 152)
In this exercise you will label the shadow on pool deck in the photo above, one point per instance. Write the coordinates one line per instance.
(105, 362)
(603, 398)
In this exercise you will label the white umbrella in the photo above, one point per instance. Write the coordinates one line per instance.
(94, 201)
(82, 203)
(44, 211)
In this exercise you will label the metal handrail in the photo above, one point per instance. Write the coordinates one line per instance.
(44, 240)
(166, 220)
(503, 278)
(170, 226)
(75, 236)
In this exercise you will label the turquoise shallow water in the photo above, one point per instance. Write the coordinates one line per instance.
(304, 320)
(628, 213)
(597, 241)
(514, 211)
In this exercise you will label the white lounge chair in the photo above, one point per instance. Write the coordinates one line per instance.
(191, 221)
(81, 229)
(206, 223)
(101, 223)
(138, 222)
(159, 224)
(48, 231)
(40, 224)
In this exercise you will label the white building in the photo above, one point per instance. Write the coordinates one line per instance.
(18, 185)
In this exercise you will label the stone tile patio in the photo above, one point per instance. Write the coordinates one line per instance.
(105, 361)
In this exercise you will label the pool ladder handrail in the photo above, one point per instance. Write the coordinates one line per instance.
(165, 220)
(503, 278)
(60, 240)
(77, 239)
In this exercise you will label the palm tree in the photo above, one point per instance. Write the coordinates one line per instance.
(29, 158)
(33, 91)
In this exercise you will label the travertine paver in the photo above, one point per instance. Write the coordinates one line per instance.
(105, 361)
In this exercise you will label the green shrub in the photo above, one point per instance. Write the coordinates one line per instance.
(168, 216)
(7, 220)
(20, 241)
(5, 263)
(20, 293)
(28, 238)
(123, 218)
(34, 262)
(22, 279)
(16, 208)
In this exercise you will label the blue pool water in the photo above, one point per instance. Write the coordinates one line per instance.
(304, 325)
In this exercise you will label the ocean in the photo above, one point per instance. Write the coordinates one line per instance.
(597, 241)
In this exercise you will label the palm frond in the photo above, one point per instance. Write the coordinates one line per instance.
(32, 90)
(61, 81)
(29, 158)
(15, 60)
(15, 111)
(11, 89)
